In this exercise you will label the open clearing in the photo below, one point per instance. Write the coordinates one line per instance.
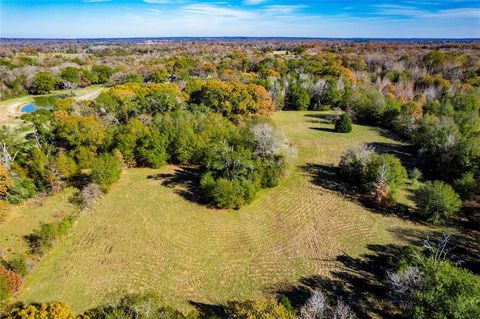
(10, 109)
(146, 235)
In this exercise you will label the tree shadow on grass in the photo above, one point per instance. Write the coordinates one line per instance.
(327, 177)
(464, 243)
(324, 129)
(405, 153)
(185, 181)
(209, 310)
(322, 118)
(360, 282)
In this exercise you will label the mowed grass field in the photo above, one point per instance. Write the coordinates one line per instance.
(145, 236)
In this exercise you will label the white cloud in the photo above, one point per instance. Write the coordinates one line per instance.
(216, 11)
(254, 2)
(161, 1)
(282, 9)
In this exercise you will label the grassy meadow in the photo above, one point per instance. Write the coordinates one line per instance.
(150, 233)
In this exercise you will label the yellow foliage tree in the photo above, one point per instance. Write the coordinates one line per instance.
(52, 310)
(5, 181)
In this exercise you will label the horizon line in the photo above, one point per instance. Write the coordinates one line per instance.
(241, 37)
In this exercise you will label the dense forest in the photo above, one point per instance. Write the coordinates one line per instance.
(207, 106)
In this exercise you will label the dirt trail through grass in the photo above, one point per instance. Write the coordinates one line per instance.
(147, 236)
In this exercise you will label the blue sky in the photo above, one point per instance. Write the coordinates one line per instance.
(314, 18)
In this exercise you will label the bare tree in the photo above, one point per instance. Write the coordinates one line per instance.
(315, 307)
(404, 284)
(268, 140)
(343, 311)
(8, 147)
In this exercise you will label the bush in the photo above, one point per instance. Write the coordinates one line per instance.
(43, 238)
(14, 281)
(437, 201)
(22, 190)
(386, 169)
(18, 263)
(354, 162)
(466, 186)
(5, 292)
(415, 175)
(232, 193)
(5, 181)
(268, 309)
(106, 170)
(89, 195)
(269, 170)
(343, 124)
(52, 310)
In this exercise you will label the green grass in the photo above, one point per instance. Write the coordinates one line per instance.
(27, 217)
(145, 237)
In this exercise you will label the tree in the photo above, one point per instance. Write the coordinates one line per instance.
(9, 147)
(106, 170)
(52, 310)
(437, 201)
(102, 72)
(268, 140)
(343, 124)
(6, 181)
(43, 83)
(71, 74)
(299, 98)
(467, 185)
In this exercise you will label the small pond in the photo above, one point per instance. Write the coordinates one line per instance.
(42, 103)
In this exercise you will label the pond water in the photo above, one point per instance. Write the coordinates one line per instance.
(42, 103)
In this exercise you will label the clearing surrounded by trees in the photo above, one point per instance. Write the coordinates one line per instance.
(149, 233)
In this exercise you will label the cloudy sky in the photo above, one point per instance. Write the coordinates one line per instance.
(314, 18)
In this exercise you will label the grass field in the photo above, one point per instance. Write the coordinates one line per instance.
(146, 235)
(27, 217)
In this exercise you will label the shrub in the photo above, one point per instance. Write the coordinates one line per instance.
(437, 201)
(106, 170)
(466, 186)
(268, 309)
(5, 181)
(52, 310)
(415, 175)
(14, 281)
(89, 195)
(18, 263)
(43, 238)
(343, 124)
(354, 162)
(5, 292)
(269, 170)
(386, 169)
(22, 190)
